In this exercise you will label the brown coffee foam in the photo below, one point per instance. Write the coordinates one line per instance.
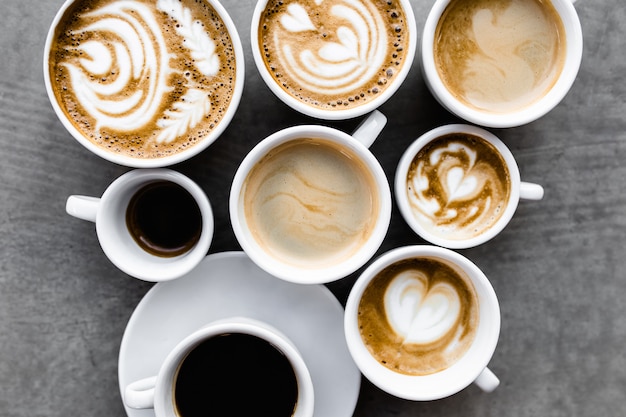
(141, 143)
(398, 38)
(389, 348)
(488, 73)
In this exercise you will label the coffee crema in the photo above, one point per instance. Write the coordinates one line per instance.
(418, 316)
(458, 186)
(310, 202)
(499, 55)
(143, 78)
(333, 54)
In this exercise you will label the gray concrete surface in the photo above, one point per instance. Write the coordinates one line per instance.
(559, 269)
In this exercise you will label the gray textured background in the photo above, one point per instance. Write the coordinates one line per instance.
(558, 269)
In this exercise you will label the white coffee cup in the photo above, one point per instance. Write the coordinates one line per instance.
(361, 46)
(157, 392)
(109, 214)
(356, 145)
(518, 189)
(136, 33)
(470, 367)
(517, 117)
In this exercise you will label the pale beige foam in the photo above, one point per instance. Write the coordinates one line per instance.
(458, 186)
(418, 316)
(498, 55)
(310, 203)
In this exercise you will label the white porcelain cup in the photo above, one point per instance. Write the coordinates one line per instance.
(124, 79)
(157, 392)
(346, 61)
(109, 214)
(489, 228)
(471, 367)
(309, 211)
(573, 45)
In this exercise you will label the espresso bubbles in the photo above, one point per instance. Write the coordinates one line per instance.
(235, 375)
(164, 219)
(418, 316)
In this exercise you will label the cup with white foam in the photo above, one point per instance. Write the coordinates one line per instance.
(498, 66)
(458, 186)
(333, 60)
(422, 323)
(154, 224)
(144, 84)
(311, 204)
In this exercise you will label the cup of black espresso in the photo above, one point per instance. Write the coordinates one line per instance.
(153, 224)
(244, 366)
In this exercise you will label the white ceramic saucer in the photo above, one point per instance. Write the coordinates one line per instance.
(229, 284)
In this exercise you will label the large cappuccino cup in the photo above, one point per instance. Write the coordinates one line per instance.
(422, 323)
(501, 64)
(311, 204)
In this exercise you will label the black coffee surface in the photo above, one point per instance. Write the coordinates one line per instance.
(164, 219)
(235, 375)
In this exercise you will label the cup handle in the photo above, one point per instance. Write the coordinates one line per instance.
(82, 207)
(140, 394)
(369, 129)
(487, 380)
(530, 191)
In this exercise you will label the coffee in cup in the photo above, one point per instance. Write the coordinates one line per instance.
(458, 185)
(311, 204)
(236, 366)
(501, 63)
(422, 323)
(333, 59)
(144, 83)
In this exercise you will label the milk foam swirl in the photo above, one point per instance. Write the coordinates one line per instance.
(330, 67)
(456, 189)
(121, 79)
(419, 312)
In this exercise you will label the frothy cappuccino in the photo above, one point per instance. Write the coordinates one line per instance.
(458, 186)
(499, 55)
(311, 203)
(143, 78)
(418, 316)
(333, 55)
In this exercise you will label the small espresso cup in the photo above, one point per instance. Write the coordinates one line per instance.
(311, 204)
(333, 60)
(154, 224)
(458, 186)
(144, 84)
(500, 66)
(236, 363)
(422, 323)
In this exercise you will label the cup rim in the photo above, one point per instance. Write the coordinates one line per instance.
(181, 156)
(403, 202)
(525, 115)
(306, 274)
(325, 114)
(151, 268)
(163, 394)
(443, 383)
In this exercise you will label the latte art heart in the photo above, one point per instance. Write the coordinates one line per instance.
(458, 186)
(420, 313)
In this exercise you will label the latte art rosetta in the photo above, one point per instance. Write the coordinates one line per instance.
(458, 187)
(144, 78)
(333, 54)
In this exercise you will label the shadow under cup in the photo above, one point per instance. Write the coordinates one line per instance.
(501, 66)
(398, 294)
